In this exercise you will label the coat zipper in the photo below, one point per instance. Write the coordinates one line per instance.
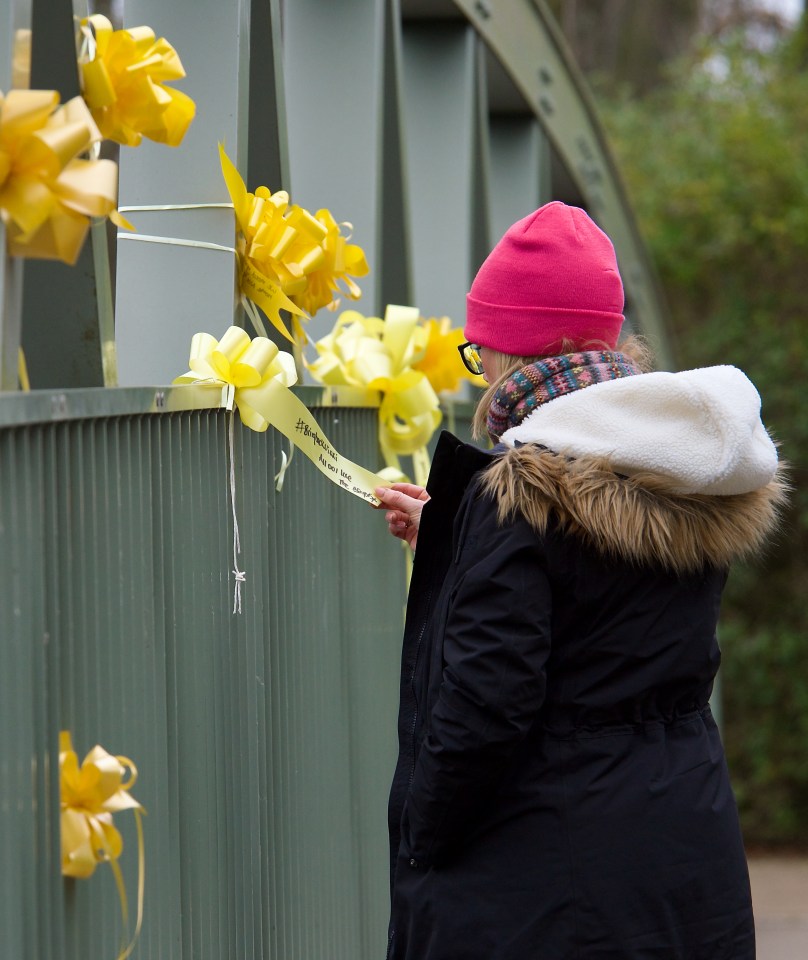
(412, 686)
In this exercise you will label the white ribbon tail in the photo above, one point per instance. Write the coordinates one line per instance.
(280, 476)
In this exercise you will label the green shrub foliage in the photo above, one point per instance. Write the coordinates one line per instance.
(716, 162)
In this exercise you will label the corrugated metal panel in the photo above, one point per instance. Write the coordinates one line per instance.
(29, 908)
(264, 742)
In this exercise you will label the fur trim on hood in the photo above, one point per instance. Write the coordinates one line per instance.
(641, 518)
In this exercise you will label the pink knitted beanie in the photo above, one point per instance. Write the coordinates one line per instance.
(552, 276)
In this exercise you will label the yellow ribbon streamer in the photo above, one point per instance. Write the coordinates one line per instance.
(47, 194)
(291, 417)
(21, 59)
(258, 376)
(22, 372)
(124, 85)
(381, 355)
(90, 795)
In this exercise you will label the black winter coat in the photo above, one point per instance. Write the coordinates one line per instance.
(561, 791)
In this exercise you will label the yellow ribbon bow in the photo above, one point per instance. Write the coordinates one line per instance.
(441, 362)
(90, 795)
(290, 260)
(245, 366)
(46, 193)
(272, 249)
(380, 355)
(341, 262)
(248, 370)
(256, 376)
(124, 85)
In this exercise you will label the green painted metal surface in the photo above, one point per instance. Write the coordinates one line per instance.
(264, 741)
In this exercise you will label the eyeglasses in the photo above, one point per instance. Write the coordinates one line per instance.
(470, 355)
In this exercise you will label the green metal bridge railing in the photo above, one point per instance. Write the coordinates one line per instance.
(264, 741)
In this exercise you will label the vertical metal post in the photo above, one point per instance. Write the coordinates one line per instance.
(165, 293)
(268, 146)
(394, 283)
(333, 66)
(11, 307)
(481, 165)
(441, 127)
(15, 17)
(60, 305)
(517, 166)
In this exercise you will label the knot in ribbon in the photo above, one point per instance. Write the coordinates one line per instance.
(47, 194)
(124, 85)
(90, 794)
(440, 361)
(246, 367)
(290, 260)
(380, 355)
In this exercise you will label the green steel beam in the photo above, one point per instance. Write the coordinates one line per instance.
(267, 147)
(15, 22)
(166, 293)
(48, 406)
(60, 327)
(334, 71)
(518, 150)
(395, 284)
(446, 174)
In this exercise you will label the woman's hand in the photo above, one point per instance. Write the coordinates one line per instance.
(404, 503)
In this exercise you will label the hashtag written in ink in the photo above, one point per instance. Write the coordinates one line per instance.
(300, 426)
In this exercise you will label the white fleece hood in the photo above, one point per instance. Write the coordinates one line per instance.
(701, 429)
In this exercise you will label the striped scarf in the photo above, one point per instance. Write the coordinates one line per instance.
(540, 382)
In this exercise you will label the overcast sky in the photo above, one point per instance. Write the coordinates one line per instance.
(790, 9)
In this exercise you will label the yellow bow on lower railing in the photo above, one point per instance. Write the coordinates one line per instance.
(246, 370)
(256, 376)
(90, 795)
(244, 366)
(379, 355)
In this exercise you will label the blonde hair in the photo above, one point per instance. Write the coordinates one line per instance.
(634, 347)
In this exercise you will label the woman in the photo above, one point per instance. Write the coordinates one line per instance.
(561, 790)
